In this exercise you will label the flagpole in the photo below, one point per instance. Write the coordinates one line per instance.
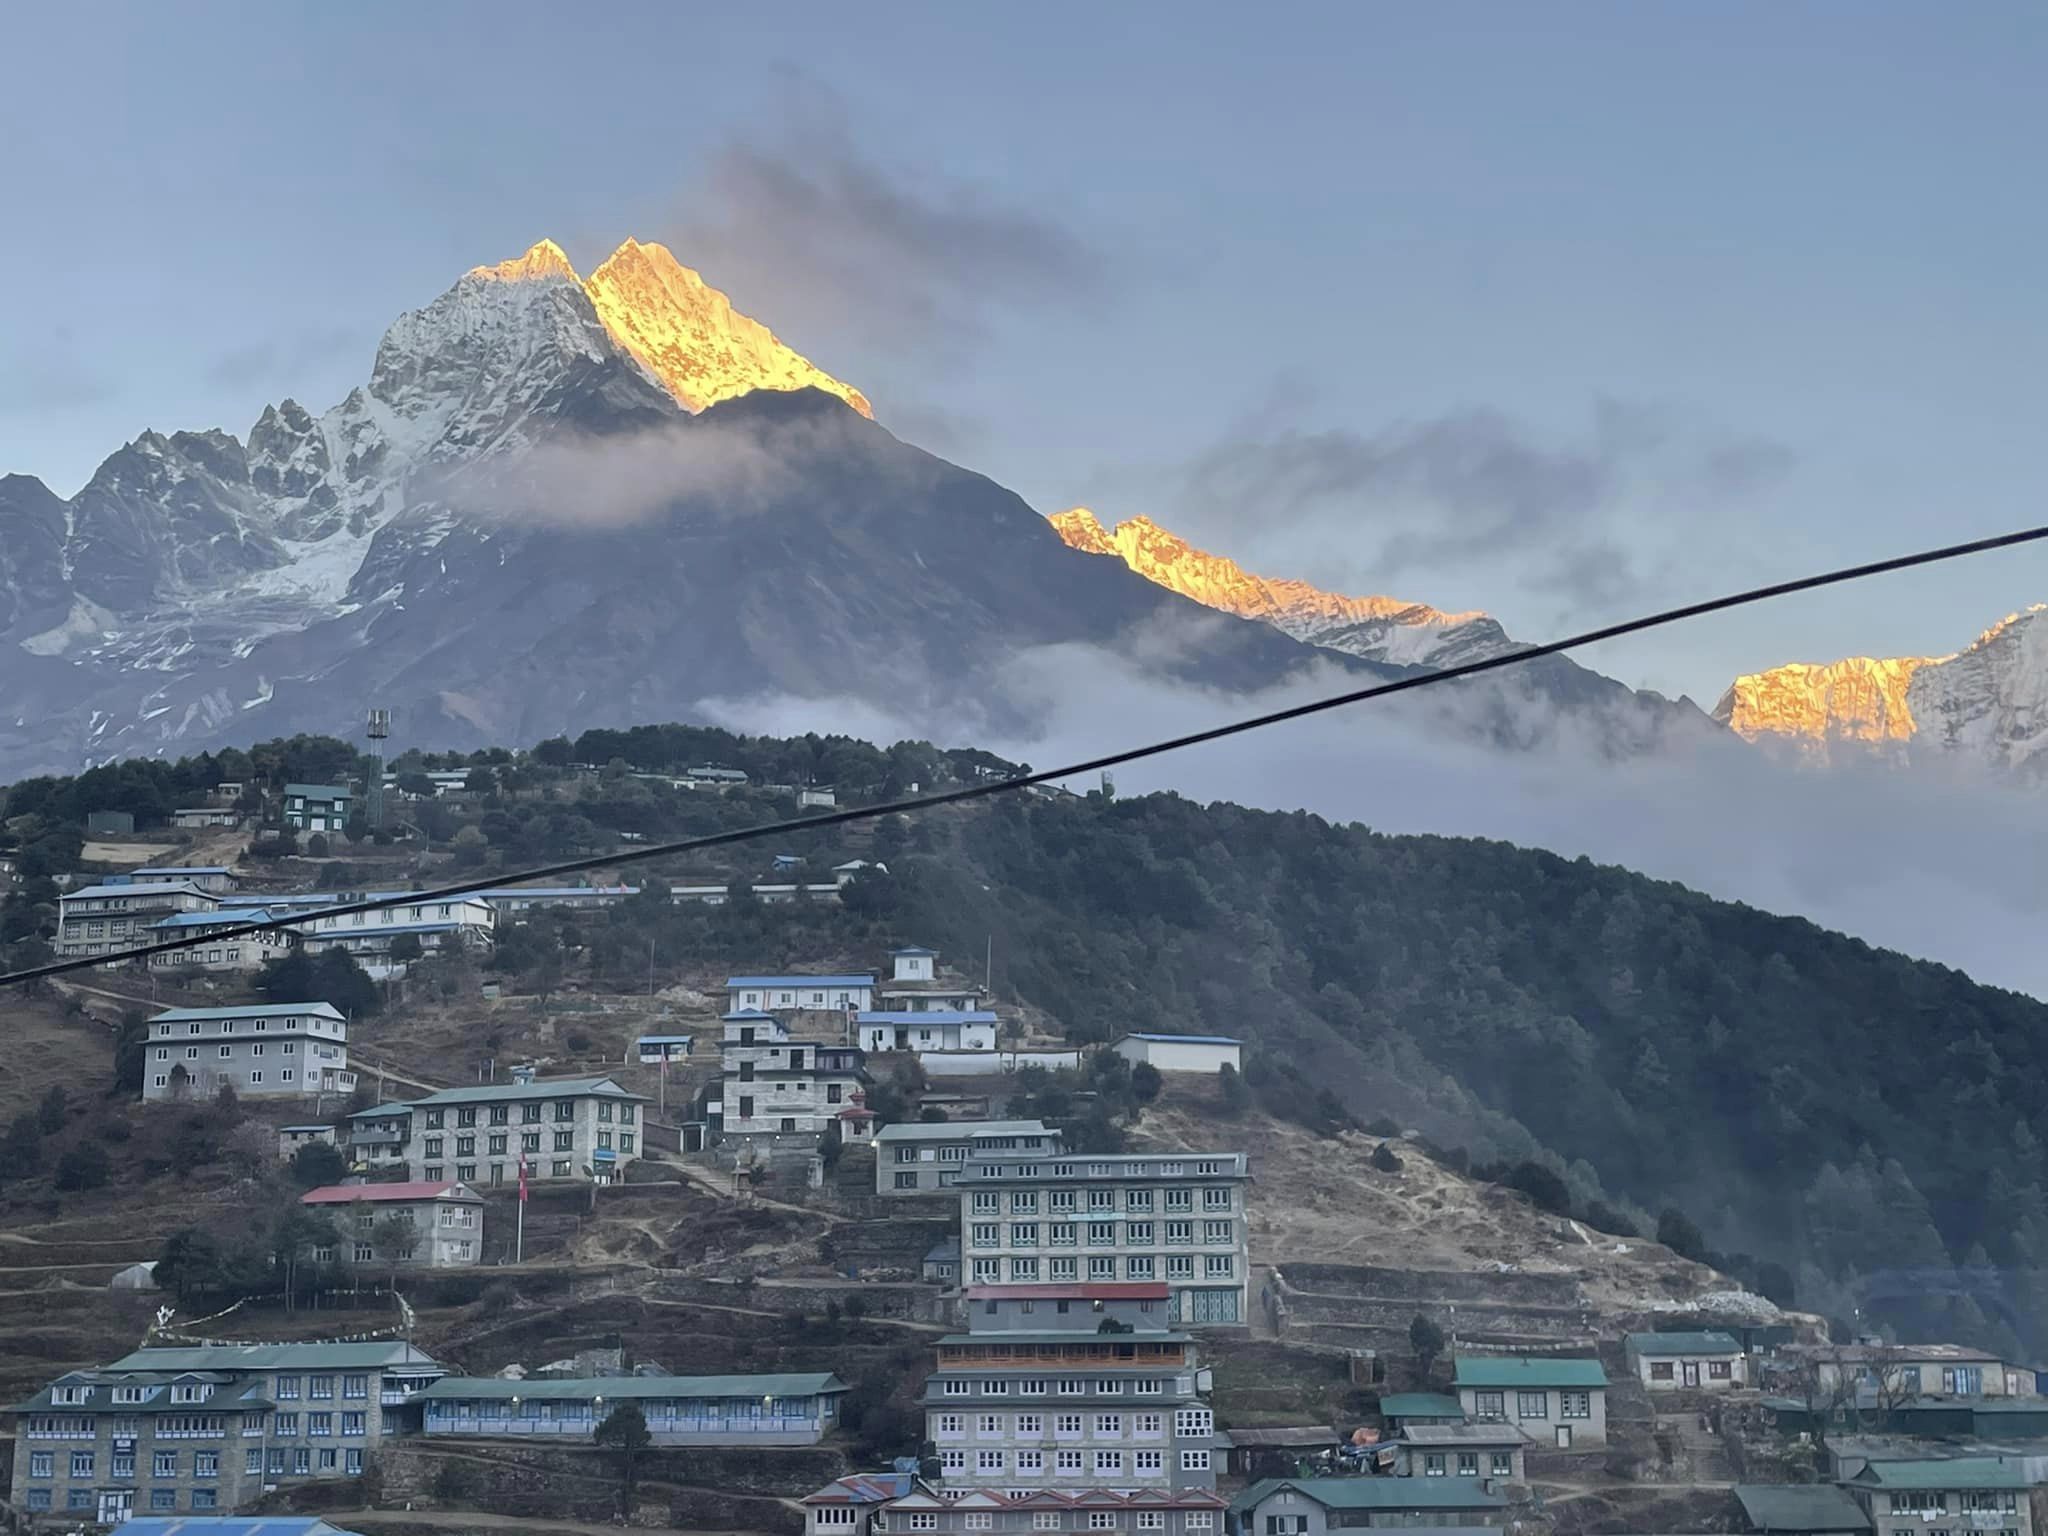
(519, 1241)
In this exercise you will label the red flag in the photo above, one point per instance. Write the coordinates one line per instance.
(522, 1178)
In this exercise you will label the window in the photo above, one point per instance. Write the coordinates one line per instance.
(1194, 1461)
(1144, 1424)
(1468, 1463)
(302, 1461)
(1193, 1423)
(986, 1271)
(979, 1522)
(906, 1180)
(319, 1423)
(1148, 1461)
(39, 1498)
(1062, 1269)
(1069, 1423)
(1067, 1461)
(565, 1141)
(1024, 1269)
(498, 1145)
(1575, 1405)
(949, 1423)
(1198, 1520)
(1660, 1370)
(988, 1234)
(206, 1464)
(352, 1463)
(1502, 1464)
(1023, 1234)
(42, 1464)
(163, 1498)
(1109, 1424)
(1024, 1202)
(205, 1498)
(1180, 1266)
(987, 1202)
(1180, 1232)
(1219, 1266)
(1532, 1405)
(1138, 1232)
(988, 1424)
(164, 1464)
(1101, 1519)
(1031, 1387)
(1488, 1405)
(287, 1424)
(81, 1463)
(1720, 1370)
(1178, 1199)
(1139, 1267)
(989, 1461)
(1045, 1520)
(951, 1462)
(924, 1522)
(560, 1169)
(1151, 1519)
(1218, 1231)
(1030, 1424)
(1109, 1461)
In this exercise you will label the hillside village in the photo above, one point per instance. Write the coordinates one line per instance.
(387, 1224)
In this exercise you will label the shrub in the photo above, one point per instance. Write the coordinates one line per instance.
(1542, 1185)
(1384, 1159)
(85, 1166)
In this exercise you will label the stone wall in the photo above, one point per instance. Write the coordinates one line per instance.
(1433, 1285)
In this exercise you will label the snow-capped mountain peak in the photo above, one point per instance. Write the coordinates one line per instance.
(1377, 628)
(543, 259)
(1988, 701)
(687, 335)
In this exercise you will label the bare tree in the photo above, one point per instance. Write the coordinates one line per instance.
(394, 1238)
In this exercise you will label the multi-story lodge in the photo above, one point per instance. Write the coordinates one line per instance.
(564, 1128)
(1560, 1403)
(446, 1221)
(914, 985)
(1046, 1512)
(1081, 1216)
(1987, 1494)
(209, 1428)
(264, 1050)
(799, 994)
(208, 877)
(920, 1159)
(847, 1506)
(97, 919)
(1036, 1395)
(680, 1410)
(241, 952)
(467, 920)
(774, 1085)
(1312, 1506)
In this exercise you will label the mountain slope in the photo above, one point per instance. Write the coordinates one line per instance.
(1616, 719)
(1986, 704)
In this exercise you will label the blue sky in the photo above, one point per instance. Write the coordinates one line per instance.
(1560, 311)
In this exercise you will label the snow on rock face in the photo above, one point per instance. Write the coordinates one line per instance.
(1376, 628)
(687, 335)
(1988, 702)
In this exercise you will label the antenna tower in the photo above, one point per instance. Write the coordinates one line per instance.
(378, 730)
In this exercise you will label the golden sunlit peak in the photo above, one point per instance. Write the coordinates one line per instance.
(543, 259)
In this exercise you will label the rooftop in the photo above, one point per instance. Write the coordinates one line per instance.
(1800, 1507)
(1461, 1434)
(1052, 1498)
(247, 1011)
(384, 1194)
(213, 919)
(864, 1488)
(1378, 1493)
(1100, 1165)
(540, 1088)
(143, 888)
(961, 1130)
(1060, 1336)
(268, 1357)
(1124, 1290)
(1959, 1472)
(1183, 1039)
(175, 870)
(227, 1525)
(1509, 1371)
(1683, 1344)
(799, 981)
(320, 791)
(805, 1384)
(928, 1016)
(1420, 1405)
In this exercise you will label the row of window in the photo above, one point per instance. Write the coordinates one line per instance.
(529, 1114)
(1188, 1424)
(286, 1425)
(1065, 1202)
(1101, 1234)
(1717, 1370)
(290, 1048)
(121, 1464)
(499, 1145)
(1138, 1266)
(1041, 1519)
(159, 1499)
(1499, 1464)
(1172, 1168)
(195, 957)
(1033, 1463)
(560, 1168)
(285, 1075)
(1929, 1501)
(252, 1026)
(1066, 1386)
(1491, 1406)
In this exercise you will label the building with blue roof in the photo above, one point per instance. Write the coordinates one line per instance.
(926, 1029)
(914, 985)
(1208, 1054)
(464, 921)
(230, 951)
(99, 919)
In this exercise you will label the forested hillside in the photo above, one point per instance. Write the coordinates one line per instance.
(1872, 1123)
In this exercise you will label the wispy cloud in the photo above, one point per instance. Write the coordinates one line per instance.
(283, 360)
(1469, 488)
(42, 380)
(831, 239)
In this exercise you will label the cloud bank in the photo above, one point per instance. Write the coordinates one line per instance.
(1941, 868)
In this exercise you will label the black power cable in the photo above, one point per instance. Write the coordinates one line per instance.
(991, 787)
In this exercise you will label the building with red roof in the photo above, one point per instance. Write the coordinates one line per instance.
(421, 1224)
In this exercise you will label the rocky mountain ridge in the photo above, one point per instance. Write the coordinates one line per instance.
(1986, 704)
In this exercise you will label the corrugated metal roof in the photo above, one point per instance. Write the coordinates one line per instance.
(1800, 1507)
(961, 1130)
(1659, 1344)
(864, 1488)
(794, 982)
(265, 1357)
(1512, 1371)
(142, 888)
(227, 1525)
(1377, 1493)
(321, 791)
(248, 1011)
(804, 1384)
(1184, 1039)
(378, 1194)
(1420, 1405)
(542, 1088)
(1958, 1472)
(1100, 1290)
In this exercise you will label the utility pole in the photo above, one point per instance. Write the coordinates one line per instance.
(650, 966)
(989, 968)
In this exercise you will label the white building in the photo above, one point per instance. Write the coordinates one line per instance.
(118, 915)
(564, 1128)
(926, 1030)
(775, 1085)
(1668, 1362)
(243, 952)
(919, 1159)
(208, 877)
(1183, 1053)
(799, 994)
(1096, 1217)
(264, 1051)
(194, 817)
(527, 898)
(464, 920)
(914, 985)
(447, 1221)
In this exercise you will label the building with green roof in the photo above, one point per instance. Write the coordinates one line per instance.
(1313, 1506)
(581, 1128)
(780, 1409)
(1672, 1362)
(1558, 1403)
(1988, 1494)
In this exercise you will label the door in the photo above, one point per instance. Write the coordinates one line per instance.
(1564, 1437)
(116, 1505)
(1692, 1373)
